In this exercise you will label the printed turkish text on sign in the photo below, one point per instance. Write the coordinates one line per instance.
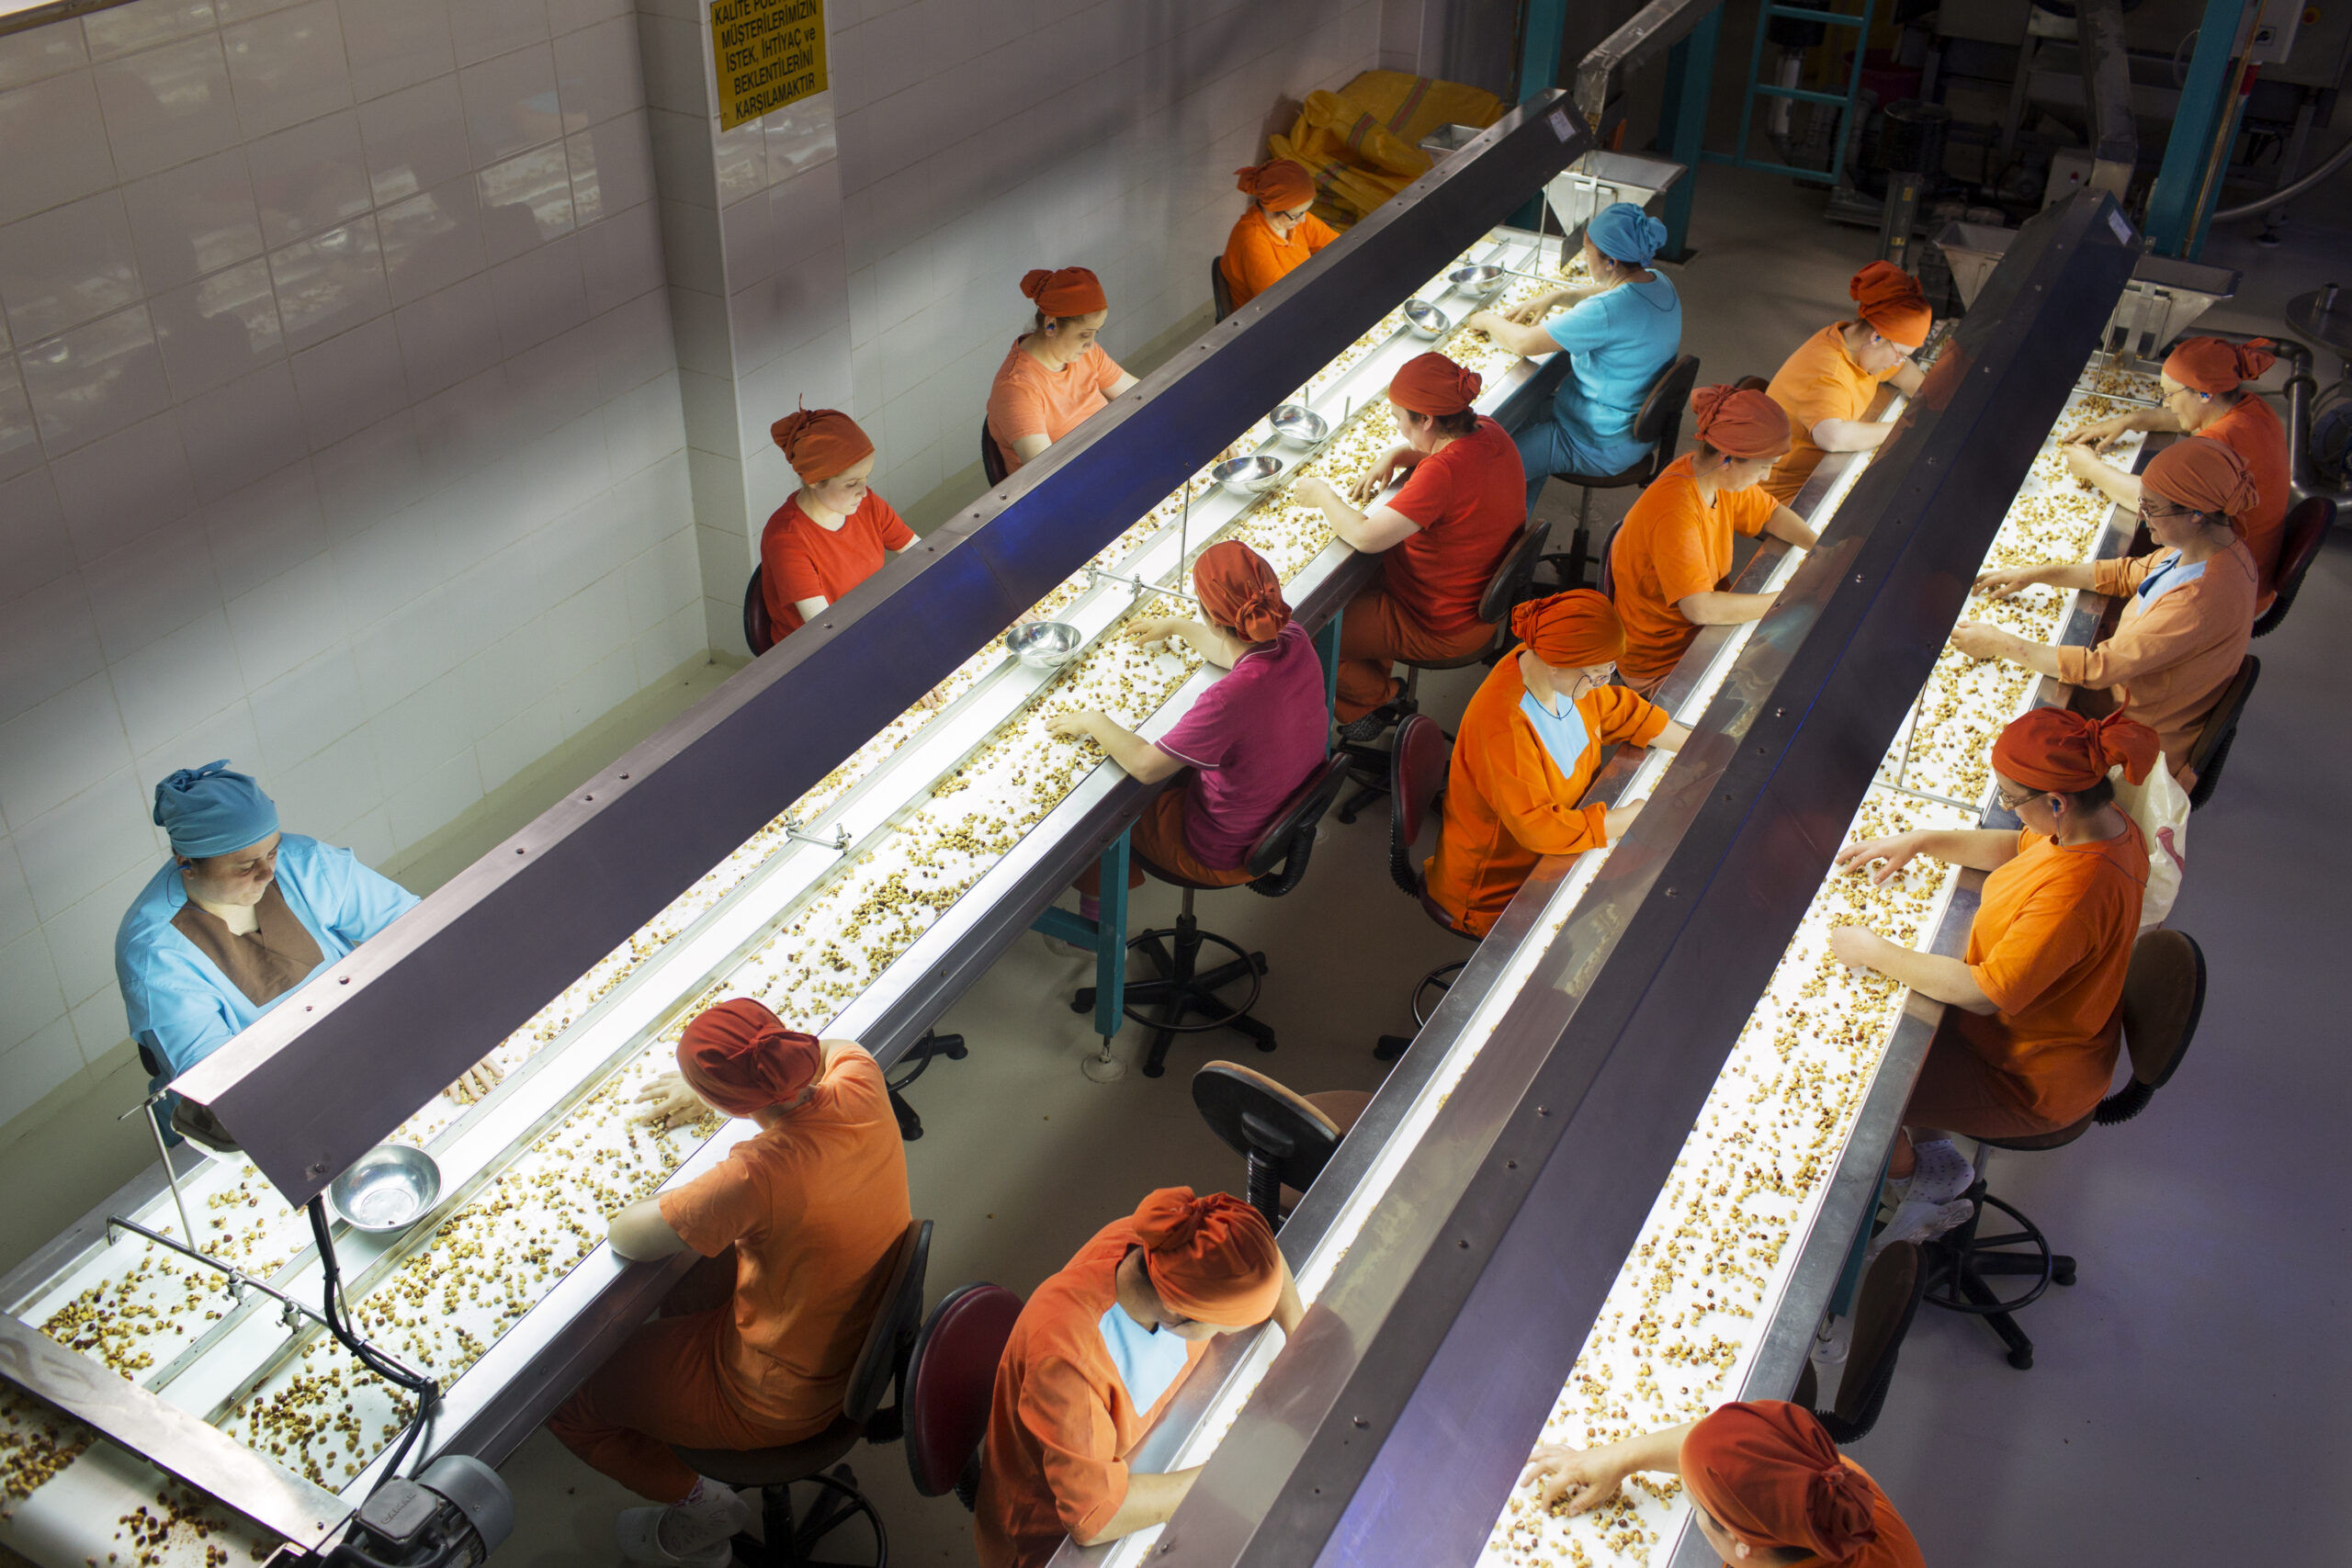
(768, 54)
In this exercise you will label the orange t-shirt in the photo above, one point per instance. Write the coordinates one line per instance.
(1255, 260)
(1672, 545)
(1029, 400)
(2255, 433)
(1819, 381)
(815, 1209)
(2051, 941)
(1060, 1423)
(1508, 801)
(801, 560)
(1467, 500)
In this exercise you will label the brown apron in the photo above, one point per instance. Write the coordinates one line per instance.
(264, 964)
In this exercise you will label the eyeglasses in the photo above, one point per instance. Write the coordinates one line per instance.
(2010, 803)
(2156, 509)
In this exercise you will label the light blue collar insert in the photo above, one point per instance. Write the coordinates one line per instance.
(1148, 1359)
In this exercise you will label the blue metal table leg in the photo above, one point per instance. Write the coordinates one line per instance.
(1849, 1279)
(1111, 942)
(1327, 648)
(1539, 68)
(1682, 125)
(2205, 95)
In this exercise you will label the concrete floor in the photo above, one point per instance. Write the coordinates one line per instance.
(2177, 1362)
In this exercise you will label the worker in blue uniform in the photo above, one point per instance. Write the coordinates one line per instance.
(238, 920)
(1620, 334)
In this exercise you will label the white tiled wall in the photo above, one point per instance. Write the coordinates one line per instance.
(340, 435)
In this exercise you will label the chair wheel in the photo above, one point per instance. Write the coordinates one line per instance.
(2021, 1359)
(2063, 1273)
(1267, 1044)
(1347, 817)
(1391, 1047)
(1083, 1001)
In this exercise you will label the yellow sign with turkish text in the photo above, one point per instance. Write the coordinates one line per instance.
(768, 54)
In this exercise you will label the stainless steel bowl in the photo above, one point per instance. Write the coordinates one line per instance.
(1043, 645)
(1425, 319)
(1476, 281)
(389, 1188)
(1248, 476)
(1296, 426)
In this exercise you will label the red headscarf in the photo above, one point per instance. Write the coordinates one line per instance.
(1213, 1259)
(1280, 185)
(2208, 364)
(2207, 475)
(1770, 1476)
(1575, 630)
(1434, 385)
(1890, 301)
(1073, 291)
(821, 443)
(1741, 424)
(1239, 590)
(2060, 749)
(741, 1058)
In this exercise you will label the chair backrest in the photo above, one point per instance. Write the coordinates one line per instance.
(1417, 759)
(1287, 843)
(891, 1336)
(1220, 291)
(2164, 996)
(1608, 551)
(2223, 721)
(1286, 1135)
(1752, 384)
(1884, 1310)
(1517, 571)
(1660, 419)
(950, 1379)
(759, 632)
(2303, 533)
(992, 462)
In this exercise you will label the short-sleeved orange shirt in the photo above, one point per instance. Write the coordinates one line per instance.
(1255, 260)
(815, 1210)
(1819, 381)
(1672, 545)
(2253, 430)
(1029, 400)
(801, 560)
(1467, 500)
(2050, 944)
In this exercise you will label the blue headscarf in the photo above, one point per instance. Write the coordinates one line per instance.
(1624, 233)
(212, 811)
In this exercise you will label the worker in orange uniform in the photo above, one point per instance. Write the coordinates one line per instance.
(1829, 382)
(2205, 394)
(1248, 742)
(1056, 375)
(1442, 536)
(798, 1227)
(1673, 552)
(1529, 745)
(1095, 1356)
(2188, 605)
(2032, 1015)
(1767, 1487)
(1277, 235)
(834, 532)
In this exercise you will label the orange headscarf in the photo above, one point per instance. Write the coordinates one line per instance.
(1212, 1259)
(1575, 630)
(1770, 1476)
(741, 1058)
(821, 443)
(1434, 385)
(2207, 475)
(2060, 749)
(1073, 291)
(1741, 423)
(2208, 364)
(1280, 185)
(1890, 301)
(1239, 590)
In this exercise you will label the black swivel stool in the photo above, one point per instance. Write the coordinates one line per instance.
(992, 461)
(2164, 994)
(1884, 1310)
(1220, 291)
(2211, 747)
(793, 1541)
(1417, 775)
(1659, 424)
(1284, 1138)
(2303, 533)
(1277, 863)
(950, 1379)
(759, 632)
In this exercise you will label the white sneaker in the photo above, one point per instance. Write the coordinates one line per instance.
(1920, 1219)
(1942, 1173)
(696, 1533)
(1062, 949)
